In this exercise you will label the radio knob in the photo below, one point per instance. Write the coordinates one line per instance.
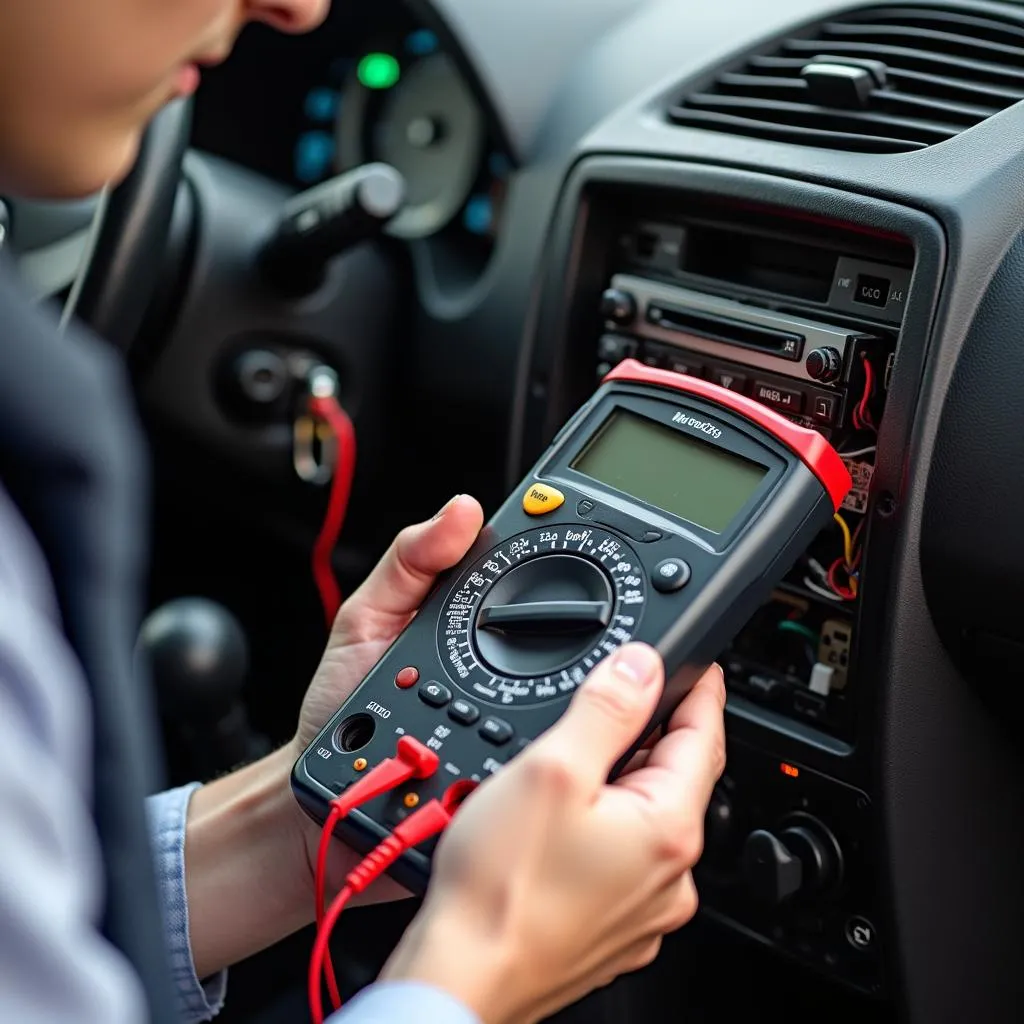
(824, 365)
(803, 858)
(618, 306)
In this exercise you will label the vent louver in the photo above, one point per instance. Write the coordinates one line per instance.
(879, 80)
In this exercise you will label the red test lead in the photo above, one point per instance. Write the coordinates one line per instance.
(412, 760)
(429, 821)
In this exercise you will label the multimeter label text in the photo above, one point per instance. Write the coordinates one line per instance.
(686, 420)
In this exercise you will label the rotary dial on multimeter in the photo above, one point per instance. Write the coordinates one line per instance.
(531, 618)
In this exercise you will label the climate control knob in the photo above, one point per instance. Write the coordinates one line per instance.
(618, 306)
(824, 365)
(800, 857)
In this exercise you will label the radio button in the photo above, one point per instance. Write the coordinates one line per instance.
(684, 364)
(540, 499)
(653, 355)
(435, 694)
(779, 398)
(612, 348)
(670, 575)
(729, 379)
(496, 731)
(463, 712)
(824, 408)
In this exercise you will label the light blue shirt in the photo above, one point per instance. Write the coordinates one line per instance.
(55, 964)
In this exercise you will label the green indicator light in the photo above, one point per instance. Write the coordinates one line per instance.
(378, 71)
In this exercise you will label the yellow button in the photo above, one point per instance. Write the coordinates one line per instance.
(540, 499)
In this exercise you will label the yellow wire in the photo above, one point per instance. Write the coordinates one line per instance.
(847, 540)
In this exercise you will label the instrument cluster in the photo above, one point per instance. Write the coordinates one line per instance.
(367, 86)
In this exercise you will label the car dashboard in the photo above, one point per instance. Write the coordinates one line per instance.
(817, 204)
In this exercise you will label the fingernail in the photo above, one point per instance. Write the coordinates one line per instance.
(636, 664)
(447, 505)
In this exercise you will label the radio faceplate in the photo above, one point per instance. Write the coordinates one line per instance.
(720, 328)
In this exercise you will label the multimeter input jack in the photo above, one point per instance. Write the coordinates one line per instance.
(354, 733)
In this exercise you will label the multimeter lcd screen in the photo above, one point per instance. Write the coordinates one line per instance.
(691, 479)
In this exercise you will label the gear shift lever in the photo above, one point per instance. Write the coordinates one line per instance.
(198, 658)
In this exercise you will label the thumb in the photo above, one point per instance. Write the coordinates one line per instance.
(609, 711)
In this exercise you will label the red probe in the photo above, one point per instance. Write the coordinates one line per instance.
(430, 820)
(412, 760)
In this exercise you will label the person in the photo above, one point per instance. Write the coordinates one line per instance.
(550, 881)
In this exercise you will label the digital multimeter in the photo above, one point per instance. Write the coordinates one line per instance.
(665, 511)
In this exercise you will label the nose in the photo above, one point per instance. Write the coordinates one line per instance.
(289, 15)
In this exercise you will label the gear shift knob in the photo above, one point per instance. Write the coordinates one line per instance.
(198, 658)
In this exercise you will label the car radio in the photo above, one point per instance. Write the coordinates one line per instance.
(665, 510)
(801, 367)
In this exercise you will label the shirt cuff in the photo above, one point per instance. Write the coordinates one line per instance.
(197, 1000)
(390, 1001)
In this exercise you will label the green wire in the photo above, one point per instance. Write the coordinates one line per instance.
(788, 626)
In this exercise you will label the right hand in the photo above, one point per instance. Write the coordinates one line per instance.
(550, 881)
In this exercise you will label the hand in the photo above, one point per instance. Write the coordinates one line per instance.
(368, 623)
(245, 832)
(551, 882)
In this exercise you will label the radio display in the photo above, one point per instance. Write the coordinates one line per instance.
(694, 480)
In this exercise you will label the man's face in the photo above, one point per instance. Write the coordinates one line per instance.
(79, 79)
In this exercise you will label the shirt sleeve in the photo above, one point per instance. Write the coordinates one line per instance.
(198, 1000)
(397, 1002)
(55, 964)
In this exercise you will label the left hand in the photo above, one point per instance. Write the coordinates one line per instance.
(370, 620)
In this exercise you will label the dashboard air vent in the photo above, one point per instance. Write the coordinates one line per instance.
(878, 80)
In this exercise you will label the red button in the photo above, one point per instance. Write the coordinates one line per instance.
(409, 676)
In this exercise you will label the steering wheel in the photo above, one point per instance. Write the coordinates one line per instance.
(122, 264)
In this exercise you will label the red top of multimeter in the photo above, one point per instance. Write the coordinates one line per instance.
(814, 451)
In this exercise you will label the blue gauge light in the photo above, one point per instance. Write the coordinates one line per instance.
(478, 216)
(321, 104)
(314, 156)
(421, 43)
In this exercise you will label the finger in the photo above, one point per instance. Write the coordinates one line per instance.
(607, 713)
(402, 579)
(635, 763)
(683, 767)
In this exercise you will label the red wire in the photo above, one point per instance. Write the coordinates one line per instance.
(412, 760)
(330, 411)
(321, 885)
(861, 412)
(321, 953)
(430, 820)
(844, 592)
